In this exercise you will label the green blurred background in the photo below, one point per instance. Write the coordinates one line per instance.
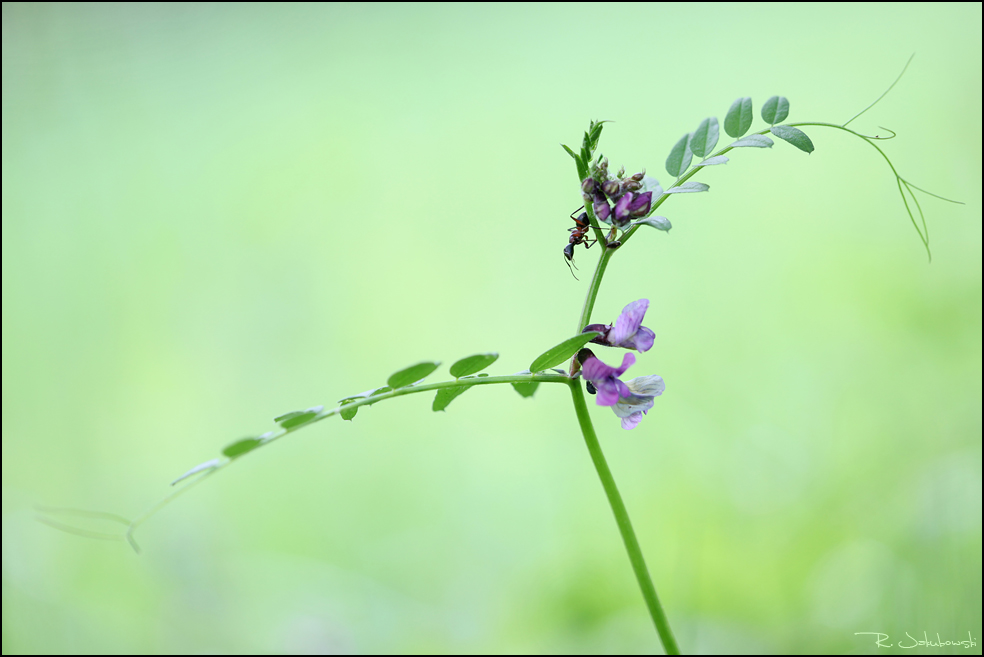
(216, 214)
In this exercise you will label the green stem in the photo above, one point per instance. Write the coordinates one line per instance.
(598, 457)
(593, 288)
(624, 524)
(205, 470)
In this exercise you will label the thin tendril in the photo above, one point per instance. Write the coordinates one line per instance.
(884, 94)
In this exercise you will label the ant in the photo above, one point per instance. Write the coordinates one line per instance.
(579, 235)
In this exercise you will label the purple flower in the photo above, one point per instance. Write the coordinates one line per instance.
(628, 332)
(630, 408)
(605, 379)
(632, 205)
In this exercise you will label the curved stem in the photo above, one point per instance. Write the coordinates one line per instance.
(624, 524)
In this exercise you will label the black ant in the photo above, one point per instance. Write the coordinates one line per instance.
(579, 235)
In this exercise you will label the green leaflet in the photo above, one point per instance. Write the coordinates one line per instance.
(411, 374)
(472, 364)
(739, 118)
(561, 352)
(794, 136)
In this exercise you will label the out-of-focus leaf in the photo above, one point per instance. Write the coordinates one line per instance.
(739, 118)
(794, 136)
(526, 389)
(680, 156)
(705, 137)
(411, 374)
(472, 364)
(207, 465)
(711, 161)
(241, 447)
(445, 396)
(757, 141)
(775, 110)
(297, 418)
(659, 223)
(650, 184)
(687, 187)
(561, 352)
(348, 413)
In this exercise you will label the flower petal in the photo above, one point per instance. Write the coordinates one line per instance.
(632, 421)
(646, 386)
(643, 339)
(626, 406)
(608, 391)
(594, 370)
(628, 322)
(622, 207)
(628, 360)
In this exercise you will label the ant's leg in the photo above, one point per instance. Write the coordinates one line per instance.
(575, 212)
(586, 245)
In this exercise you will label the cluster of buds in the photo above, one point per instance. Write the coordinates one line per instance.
(630, 400)
(616, 201)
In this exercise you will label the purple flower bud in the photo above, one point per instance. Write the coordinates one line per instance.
(639, 176)
(631, 186)
(601, 208)
(610, 188)
(600, 328)
(622, 215)
(588, 185)
(639, 207)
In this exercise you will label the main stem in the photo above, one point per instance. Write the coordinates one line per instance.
(624, 524)
(608, 481)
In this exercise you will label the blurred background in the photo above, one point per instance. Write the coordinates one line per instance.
(215, 214)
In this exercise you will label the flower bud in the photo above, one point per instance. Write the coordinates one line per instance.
(603, 329)
(639, 176)
(601, 208)
(621, 215)
(583, 355)
(639, 207)
(588, 185)
(610, 188)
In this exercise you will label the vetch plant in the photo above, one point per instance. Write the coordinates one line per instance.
(615, 207)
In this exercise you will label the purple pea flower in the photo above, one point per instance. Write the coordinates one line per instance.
(632, 205)
(605, 379)
(628, 331)
(632, 407)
